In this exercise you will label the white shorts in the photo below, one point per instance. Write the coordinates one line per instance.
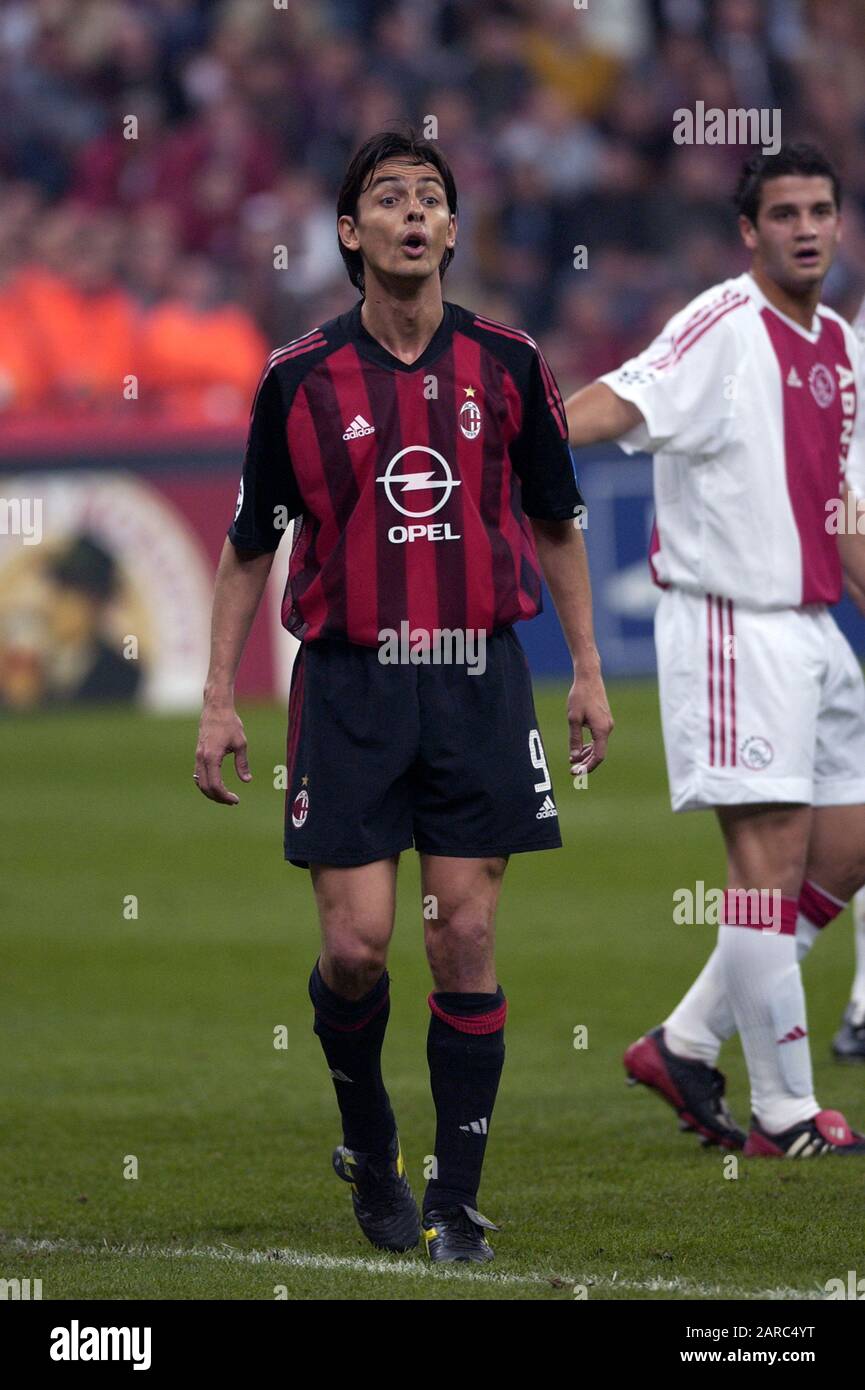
(758, 705)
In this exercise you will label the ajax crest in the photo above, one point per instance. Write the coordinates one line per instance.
(756, 753)
(822, 384)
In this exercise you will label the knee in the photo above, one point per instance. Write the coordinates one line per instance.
(467, 909)
(354, 958)
(464, 926)
(847, 876)
(856, 877)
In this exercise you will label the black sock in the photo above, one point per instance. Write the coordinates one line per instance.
(466, 1053)
(351, 1032)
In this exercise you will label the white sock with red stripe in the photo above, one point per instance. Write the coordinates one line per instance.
(857, 995)
(757, 948)
(817, 909)
(703, 1019)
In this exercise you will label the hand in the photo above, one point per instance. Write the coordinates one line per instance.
(220, 732)
(588, 708)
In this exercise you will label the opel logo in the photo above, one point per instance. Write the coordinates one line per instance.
(418, 481)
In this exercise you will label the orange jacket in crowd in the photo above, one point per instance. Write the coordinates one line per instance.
(85, 345)
(64, 351)
(203, 364)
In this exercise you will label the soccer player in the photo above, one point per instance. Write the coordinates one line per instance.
(423, 450)
(747, 400)
(848, 1043)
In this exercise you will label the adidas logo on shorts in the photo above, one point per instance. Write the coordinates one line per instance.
(548, 809)
(358, 428)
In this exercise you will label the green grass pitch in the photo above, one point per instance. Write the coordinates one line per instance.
(151, 1038)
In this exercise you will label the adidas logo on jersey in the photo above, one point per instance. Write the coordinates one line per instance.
(360, 427)
(547, 809)
(793, 378)
(476, 1126)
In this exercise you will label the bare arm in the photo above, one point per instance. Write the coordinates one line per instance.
(856, 592)
(596, 413)
(240, 581)
(852, 550)
(562, 554)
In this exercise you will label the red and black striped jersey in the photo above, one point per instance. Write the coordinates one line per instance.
(412, 484)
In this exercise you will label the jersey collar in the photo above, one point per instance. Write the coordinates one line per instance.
(816, 329)
(370, 347)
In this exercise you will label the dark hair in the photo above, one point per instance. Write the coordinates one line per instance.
(790, 159)
(85, 566)
(389, 144)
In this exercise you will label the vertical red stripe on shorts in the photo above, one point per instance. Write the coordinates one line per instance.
(732, 684)
(722, 681)
(295, 711)
(711, 661)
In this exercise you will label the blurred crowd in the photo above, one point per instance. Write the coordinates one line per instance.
(168, 172)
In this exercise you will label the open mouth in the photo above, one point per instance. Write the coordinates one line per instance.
(809, 255)
(414, 244)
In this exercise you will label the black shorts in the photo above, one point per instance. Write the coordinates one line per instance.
(383, 757)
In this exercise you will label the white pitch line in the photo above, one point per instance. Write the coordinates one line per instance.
(358, 1264)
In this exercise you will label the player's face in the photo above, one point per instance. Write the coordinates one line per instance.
(797, 232)
(403, 224)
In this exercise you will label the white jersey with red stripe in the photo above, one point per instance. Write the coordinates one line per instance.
(750, 418)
